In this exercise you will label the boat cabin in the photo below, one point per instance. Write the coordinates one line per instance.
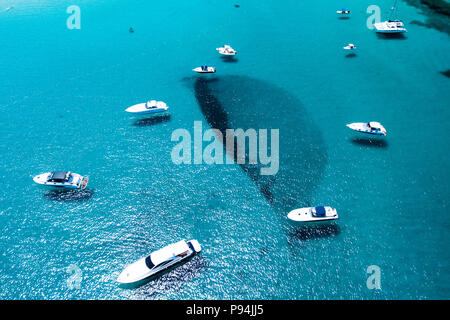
(59, 176)
(162, 256)
(319, 212)
(375, 126)
(151, 104)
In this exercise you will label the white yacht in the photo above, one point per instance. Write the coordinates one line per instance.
(313, 214)
(158, 261)
(390, 26)
(350, 46)
(151, 106)
(62, 180)
(227, 50)
(205, 69)
(372, 127)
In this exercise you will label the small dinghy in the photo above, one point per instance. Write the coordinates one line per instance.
(151, 106)
(368, 127)
(343, 11)
(62, 180)
(205, 69)
(313, 214)
(158, 261)
(350, 46)
(227, 50)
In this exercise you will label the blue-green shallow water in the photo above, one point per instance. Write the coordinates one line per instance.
(62, 103)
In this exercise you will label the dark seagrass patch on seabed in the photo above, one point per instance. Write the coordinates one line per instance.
(446, 73)
(232, 102)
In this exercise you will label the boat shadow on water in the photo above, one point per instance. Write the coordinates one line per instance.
(171, 278)
(391, 36)
(229, 59)
(367, 142)
(350, 55)
(69, 195)
(152, 120)
(315, 232)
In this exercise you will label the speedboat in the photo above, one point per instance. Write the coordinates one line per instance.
(390, 26)
(313, 214)
(158, 261)
(350, 46)
(151, 106)
(62, 179)
(227, 50)
(343, 11)
(372, 127)
(205, 69)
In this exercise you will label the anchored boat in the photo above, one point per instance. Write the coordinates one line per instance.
(350, 46)
(204, 69)
(62, 180)
(313, 214)
(372, 127)
(390, 26)
(158, 261)
(226, 50)
(151, 106)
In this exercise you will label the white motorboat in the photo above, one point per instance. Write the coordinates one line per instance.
(151, 106)
(372, 127)
(62, 180)
(313, 214)
(205, 69)
(343, 11)
(158, 261)
(227, 50)
(350, 46)
(390, 26)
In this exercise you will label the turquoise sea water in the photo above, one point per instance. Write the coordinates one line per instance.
(62, 102)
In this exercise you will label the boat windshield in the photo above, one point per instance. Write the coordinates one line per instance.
(319, 212)
(149, 263)
(59, 176)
